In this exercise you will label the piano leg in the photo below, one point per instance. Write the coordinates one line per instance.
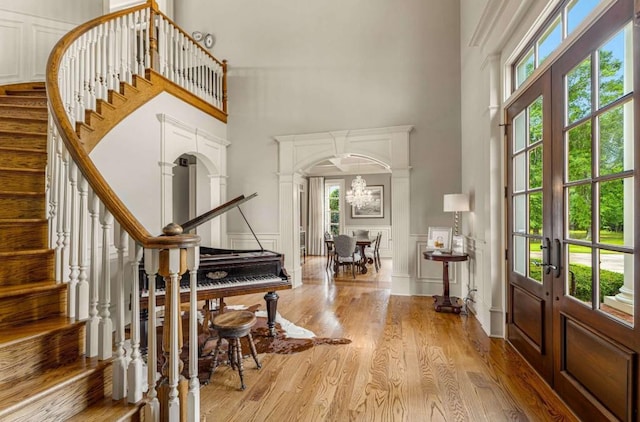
(272, 306)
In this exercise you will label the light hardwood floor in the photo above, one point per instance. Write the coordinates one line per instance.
(405, 363)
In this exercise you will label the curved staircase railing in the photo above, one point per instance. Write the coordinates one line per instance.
(86, 69)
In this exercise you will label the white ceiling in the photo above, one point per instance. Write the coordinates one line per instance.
(350, 164)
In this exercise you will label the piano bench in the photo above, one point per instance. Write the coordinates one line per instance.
(231, 326)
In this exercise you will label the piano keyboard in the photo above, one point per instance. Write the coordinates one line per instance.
(223, 284)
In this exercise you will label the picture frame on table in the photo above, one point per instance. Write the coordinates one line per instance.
(439, 239)
(457, 244)
(375, 208)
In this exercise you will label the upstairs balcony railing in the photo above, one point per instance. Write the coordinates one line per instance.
(87, 218)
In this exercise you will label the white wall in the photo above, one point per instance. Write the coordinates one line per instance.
(307, 66)
(131, 157)
(29, 29)
(490, 32)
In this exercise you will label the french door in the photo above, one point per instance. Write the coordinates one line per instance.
(572, 201)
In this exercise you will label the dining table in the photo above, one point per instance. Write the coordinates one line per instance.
(362, 243)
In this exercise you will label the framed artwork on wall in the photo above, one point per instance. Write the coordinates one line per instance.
(375, 208)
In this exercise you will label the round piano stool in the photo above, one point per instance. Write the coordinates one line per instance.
(231, 326)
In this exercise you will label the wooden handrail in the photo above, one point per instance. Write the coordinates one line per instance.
(80, 156)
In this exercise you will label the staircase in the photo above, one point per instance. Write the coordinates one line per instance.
(44, 375)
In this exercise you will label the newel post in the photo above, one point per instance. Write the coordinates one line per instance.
(172, 389)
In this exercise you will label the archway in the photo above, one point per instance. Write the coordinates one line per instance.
(388, 145)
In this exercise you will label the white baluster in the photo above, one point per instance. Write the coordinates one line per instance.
(66, 229)
(181, 52)
(94, 280)
(73, 241)
(91, 69)
(193, 397)
(82, 296)
(131, 68)
(162, 45)
(135, 377)
(53, 169)
(151, 264)
(120, 361)
(147, 47)
(111, 70)
(62, 208)
(174, 341)
(118, 62)
(82, 81)
(140, 42)
(101, 64)
(105, 327)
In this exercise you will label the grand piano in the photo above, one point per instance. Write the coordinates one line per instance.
(228, 272)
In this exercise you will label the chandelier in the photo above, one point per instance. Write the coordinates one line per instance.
(358, 195)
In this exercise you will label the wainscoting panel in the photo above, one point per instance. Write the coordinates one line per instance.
(11, 46)
(26, 42)
(269, 241)
(44, 39)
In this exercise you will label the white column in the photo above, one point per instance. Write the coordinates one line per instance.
(290, 232)
(166, 193)
(400, 219)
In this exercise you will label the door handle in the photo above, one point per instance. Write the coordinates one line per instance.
(558, 249)
(546, 256)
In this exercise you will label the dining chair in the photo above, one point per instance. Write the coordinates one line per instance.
(373, 252)
(345, 252)
(328, 245)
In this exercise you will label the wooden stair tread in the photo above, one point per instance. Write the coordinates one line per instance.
(20, 392)
(22, 170)
(26, 119)
(26, 252)
(108, 410)
(26, 93)
(22, 133)
(9, 193)
(29, 288)
(24, 107)
(18, 149)
(35, 329)
(22, 221)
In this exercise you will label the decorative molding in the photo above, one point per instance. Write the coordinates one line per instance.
(166, 118)
(486, 23)
(389, 146)
(26, 42)
(11, 41)
(246, 241)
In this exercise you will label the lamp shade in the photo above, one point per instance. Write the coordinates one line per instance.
(456, 202)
